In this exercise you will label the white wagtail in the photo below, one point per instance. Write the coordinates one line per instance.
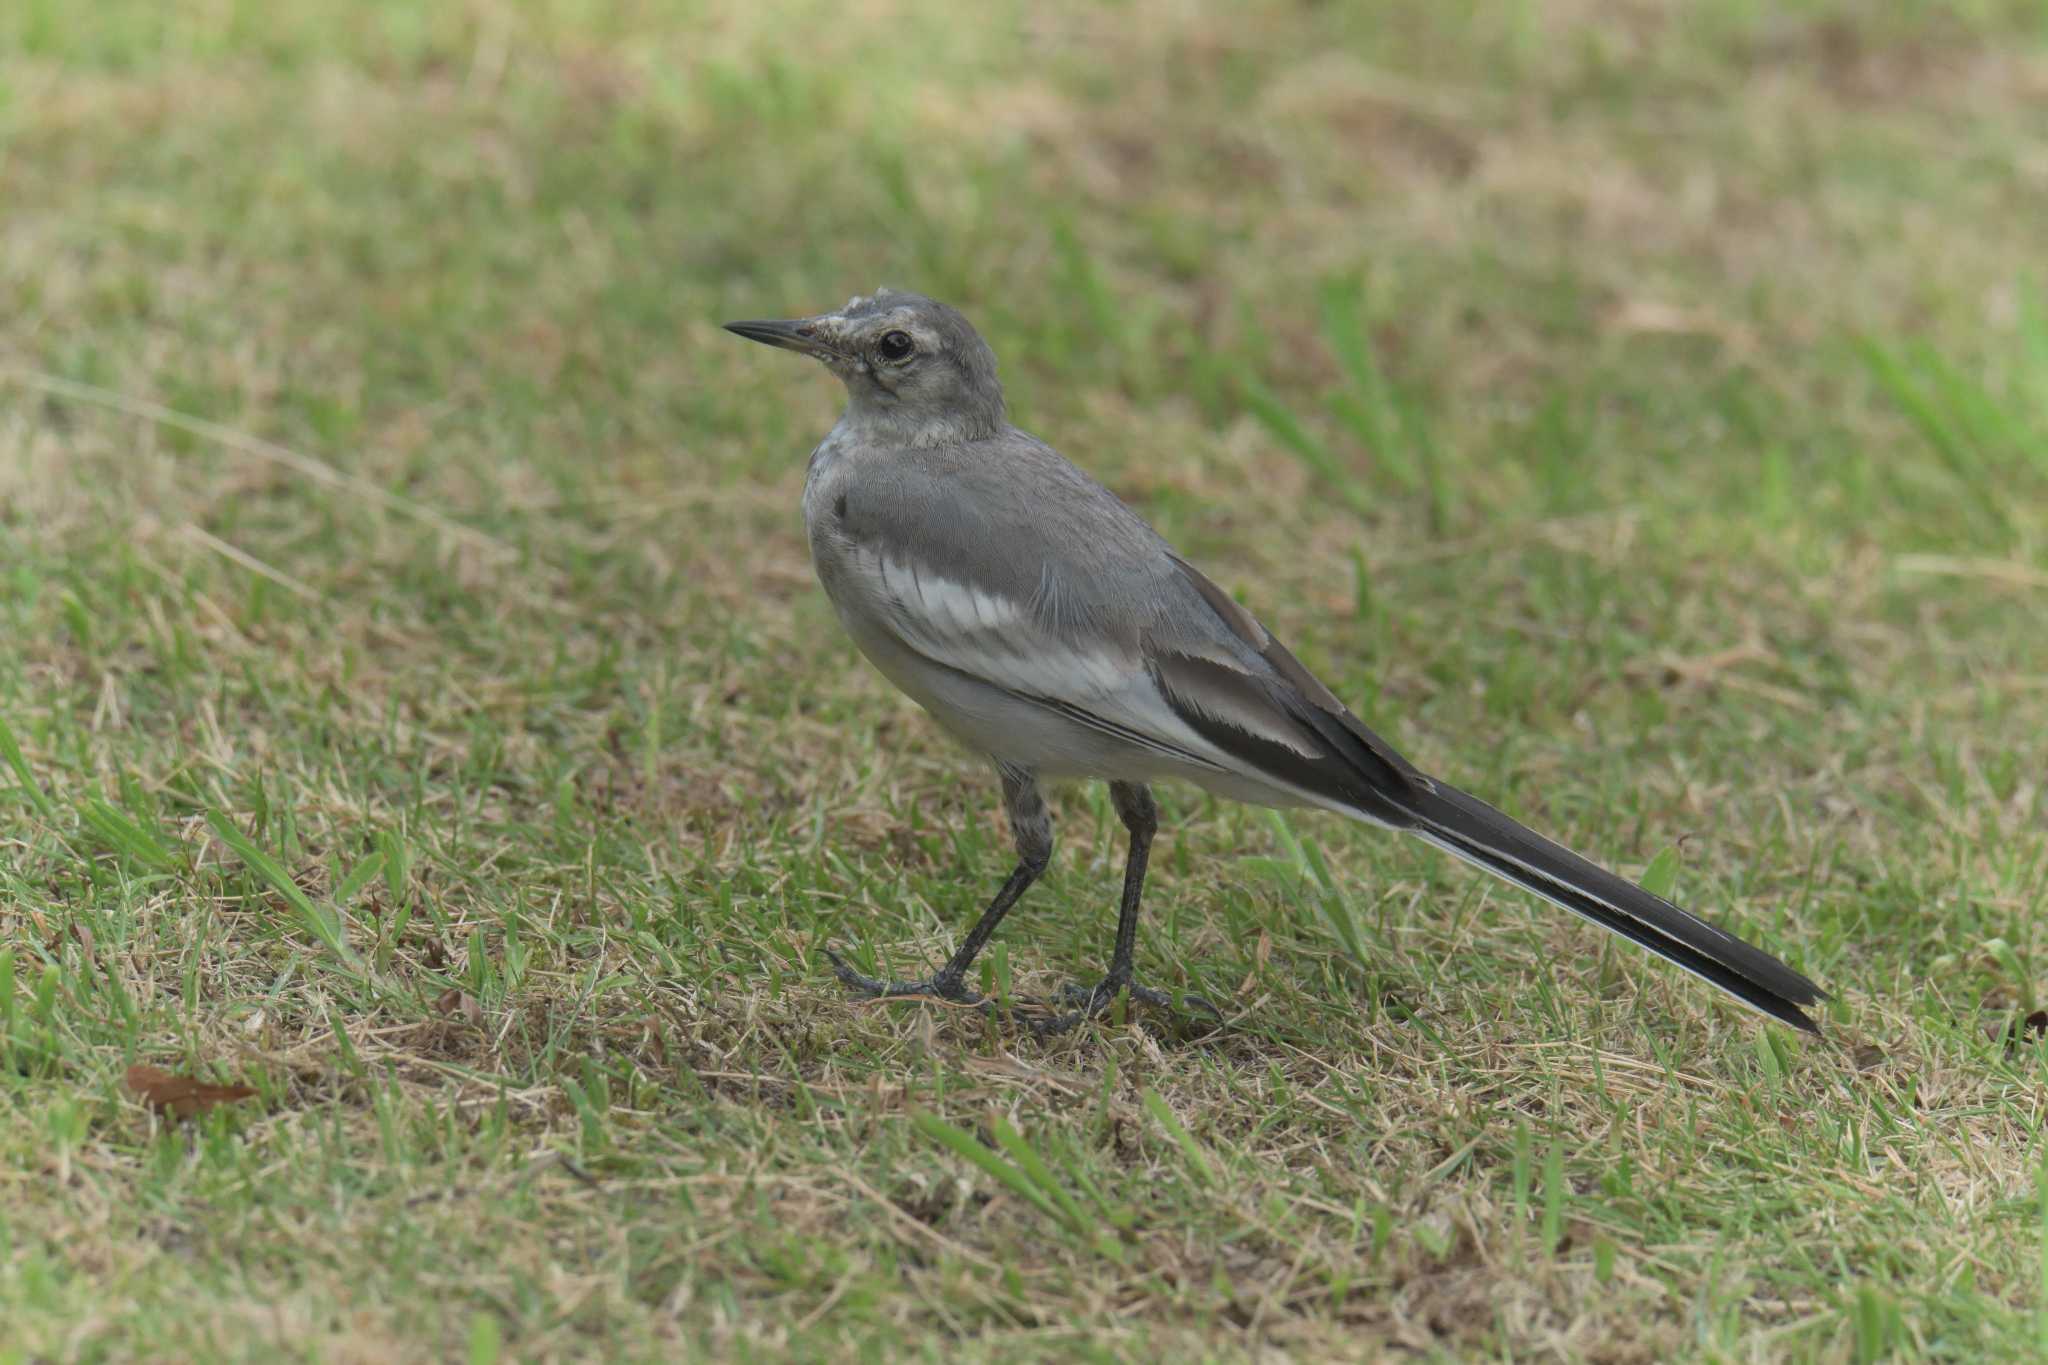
(1040, 620)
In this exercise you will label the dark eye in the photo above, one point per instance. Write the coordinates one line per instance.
(895, 345)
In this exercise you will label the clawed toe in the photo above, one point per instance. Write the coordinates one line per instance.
(1093, 1002)
(938, 986)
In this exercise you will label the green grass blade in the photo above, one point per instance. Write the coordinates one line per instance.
(10, 750)
(1034, 1168)
(361, 876)
(2041, 1198)
(1939, 429)
(1288, 430)
(1198, 1160)
(1660, 878)
(323, 924)
(1367, 404)
(126, 835)
(964, 1145)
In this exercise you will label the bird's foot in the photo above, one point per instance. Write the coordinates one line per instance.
(1097, 1001)
(937, 986)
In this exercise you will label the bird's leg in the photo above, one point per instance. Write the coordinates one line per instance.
(1140, 814)
(1031, 826)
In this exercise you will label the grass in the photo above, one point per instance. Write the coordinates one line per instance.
(417, 704)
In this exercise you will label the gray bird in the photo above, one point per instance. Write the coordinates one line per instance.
(1042, 622)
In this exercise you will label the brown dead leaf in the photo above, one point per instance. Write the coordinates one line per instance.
(1262, 952)
(180, 1096)
(455, 1000)
(83, 937)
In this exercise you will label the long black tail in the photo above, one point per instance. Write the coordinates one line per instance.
(1471, 829)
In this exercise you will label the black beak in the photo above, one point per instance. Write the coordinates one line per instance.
(797, 334)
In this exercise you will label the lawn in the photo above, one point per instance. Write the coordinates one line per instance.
(416, 705)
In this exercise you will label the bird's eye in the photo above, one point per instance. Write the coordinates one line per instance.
(895, 345)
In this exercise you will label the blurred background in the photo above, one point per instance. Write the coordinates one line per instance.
(1639, 409)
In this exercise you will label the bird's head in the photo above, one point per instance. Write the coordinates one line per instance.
(915, 371)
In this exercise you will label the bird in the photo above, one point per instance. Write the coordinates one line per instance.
(1047, 626)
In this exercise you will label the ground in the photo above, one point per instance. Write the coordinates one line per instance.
(418, 708)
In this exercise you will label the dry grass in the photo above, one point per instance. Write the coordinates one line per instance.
(377, 491)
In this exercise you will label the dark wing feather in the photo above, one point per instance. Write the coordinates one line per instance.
(1280, 721)
(1280, 718)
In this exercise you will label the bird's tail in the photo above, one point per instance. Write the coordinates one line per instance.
(1479, 834)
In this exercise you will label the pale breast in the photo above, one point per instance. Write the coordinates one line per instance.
(824, 475)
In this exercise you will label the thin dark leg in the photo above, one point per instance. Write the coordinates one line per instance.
(1031, 826)
(1134, 805)
(1140, 815)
